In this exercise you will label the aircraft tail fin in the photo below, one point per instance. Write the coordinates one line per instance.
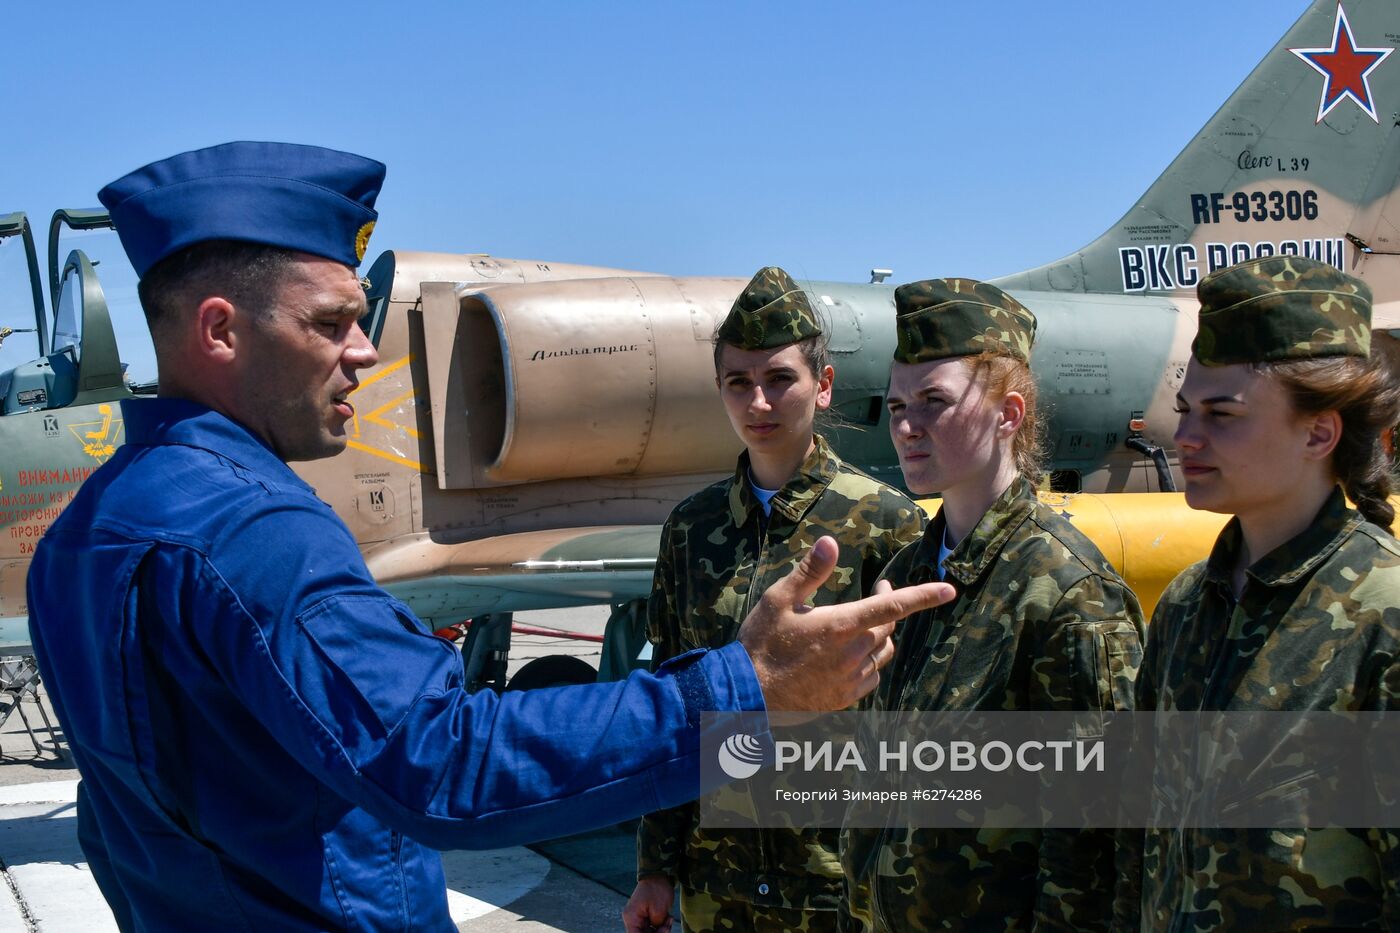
(1303, 158)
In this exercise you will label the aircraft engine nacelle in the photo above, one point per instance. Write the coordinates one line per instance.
(578, 378)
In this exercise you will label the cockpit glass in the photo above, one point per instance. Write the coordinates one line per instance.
(118, 280)
(67, 325)
(16, 306)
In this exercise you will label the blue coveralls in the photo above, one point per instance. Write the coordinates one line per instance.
(268, 740)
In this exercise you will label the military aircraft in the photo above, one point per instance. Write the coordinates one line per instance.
(531, 423)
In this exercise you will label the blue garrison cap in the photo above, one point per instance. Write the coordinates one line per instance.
(306, 198)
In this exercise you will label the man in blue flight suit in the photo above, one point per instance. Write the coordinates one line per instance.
(267, 739)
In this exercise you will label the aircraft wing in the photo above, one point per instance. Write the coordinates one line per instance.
(447, 582)
(1149, 537)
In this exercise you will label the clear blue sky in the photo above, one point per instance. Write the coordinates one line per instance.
(698, 139)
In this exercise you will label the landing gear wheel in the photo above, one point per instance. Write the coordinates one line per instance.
(556, 670)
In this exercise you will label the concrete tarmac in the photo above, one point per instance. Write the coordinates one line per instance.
(574, 884)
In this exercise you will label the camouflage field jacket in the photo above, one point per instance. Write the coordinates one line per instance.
(1317, 627)
(719, 552)
(1041, 622)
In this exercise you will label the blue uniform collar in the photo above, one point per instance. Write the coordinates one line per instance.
(158, 421)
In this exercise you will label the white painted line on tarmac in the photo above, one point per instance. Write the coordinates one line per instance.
(44, 792)
(39, 846)
(11, 917)
(63, 897)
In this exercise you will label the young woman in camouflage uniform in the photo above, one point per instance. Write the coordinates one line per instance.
(720, 550)
(1298, 606)
(1041, 621)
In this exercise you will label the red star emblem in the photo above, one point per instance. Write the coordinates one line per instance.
(1344, 68)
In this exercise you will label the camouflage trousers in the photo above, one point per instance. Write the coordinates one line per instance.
(702, 912)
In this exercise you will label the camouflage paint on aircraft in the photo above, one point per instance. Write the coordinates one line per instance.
(532, 423)
(1301, 160)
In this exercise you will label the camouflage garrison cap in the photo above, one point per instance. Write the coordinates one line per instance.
(1281, 308)
(939, 318)
(770, 312)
